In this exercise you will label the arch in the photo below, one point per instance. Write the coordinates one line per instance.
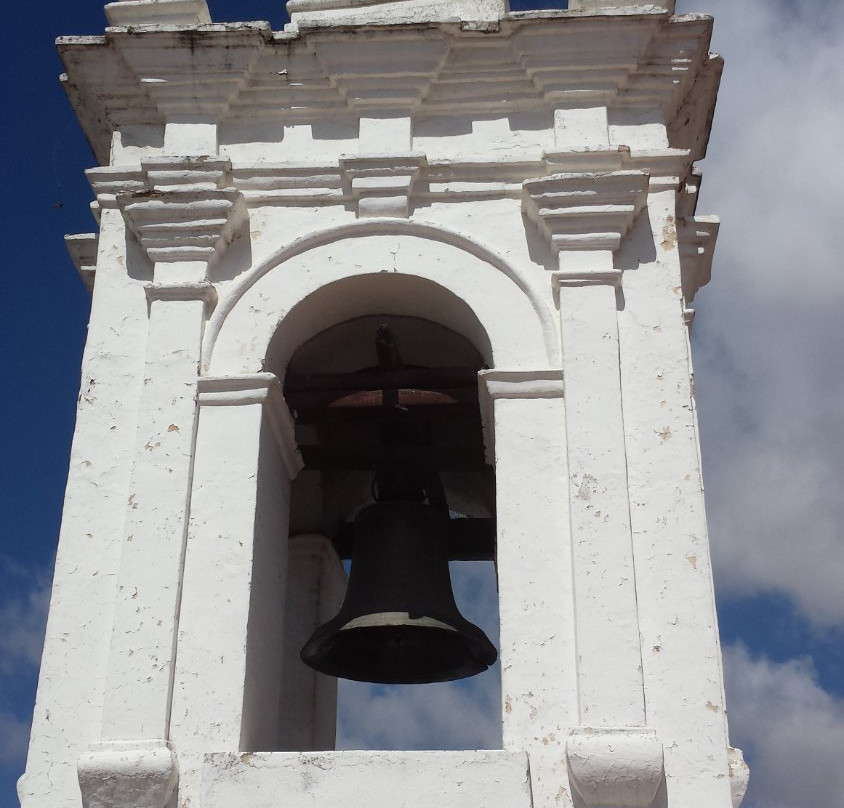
(356, 296)
(454, 272)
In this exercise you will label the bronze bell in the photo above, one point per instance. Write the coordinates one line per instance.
(399, 623)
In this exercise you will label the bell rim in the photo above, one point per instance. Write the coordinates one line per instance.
(480, 655)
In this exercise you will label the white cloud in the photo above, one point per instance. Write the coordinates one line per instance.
(14, 736)
(450, 715)
(769, 345)
(440, 716)
(791, 730)
(23, 614)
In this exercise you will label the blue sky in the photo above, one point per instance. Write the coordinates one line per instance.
(769, 361)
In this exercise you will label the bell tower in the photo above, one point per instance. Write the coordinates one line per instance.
(405, 282)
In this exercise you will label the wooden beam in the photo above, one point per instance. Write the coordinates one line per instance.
(470, 539)
(418, 378)
(441, 458)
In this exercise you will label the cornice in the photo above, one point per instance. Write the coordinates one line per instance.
(332, 183)
(182, 71)
(186, 173)
(109, 181)
(291, 182)
(529, 62)
(666, 168)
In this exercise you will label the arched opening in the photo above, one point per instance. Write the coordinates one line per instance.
(391, 383)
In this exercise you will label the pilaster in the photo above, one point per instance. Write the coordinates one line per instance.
(600, 510)
(524, 411)
(226, 692)
(140, 660)
(183, 221)
(613, 759)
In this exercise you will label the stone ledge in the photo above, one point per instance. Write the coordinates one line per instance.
(614, 6)
(465, 779)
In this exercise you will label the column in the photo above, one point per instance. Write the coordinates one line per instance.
(316, 584)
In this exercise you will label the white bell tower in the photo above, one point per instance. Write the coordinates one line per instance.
(513, 196)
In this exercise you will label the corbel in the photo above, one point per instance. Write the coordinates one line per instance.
(614, 766)
(381, 185)
(592, 211)
(130, 774)
(185, 212)
(83, 253)
(187, 290)
(696, 236)
(177, 226)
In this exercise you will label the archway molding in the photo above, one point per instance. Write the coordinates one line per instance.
(345, 272)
